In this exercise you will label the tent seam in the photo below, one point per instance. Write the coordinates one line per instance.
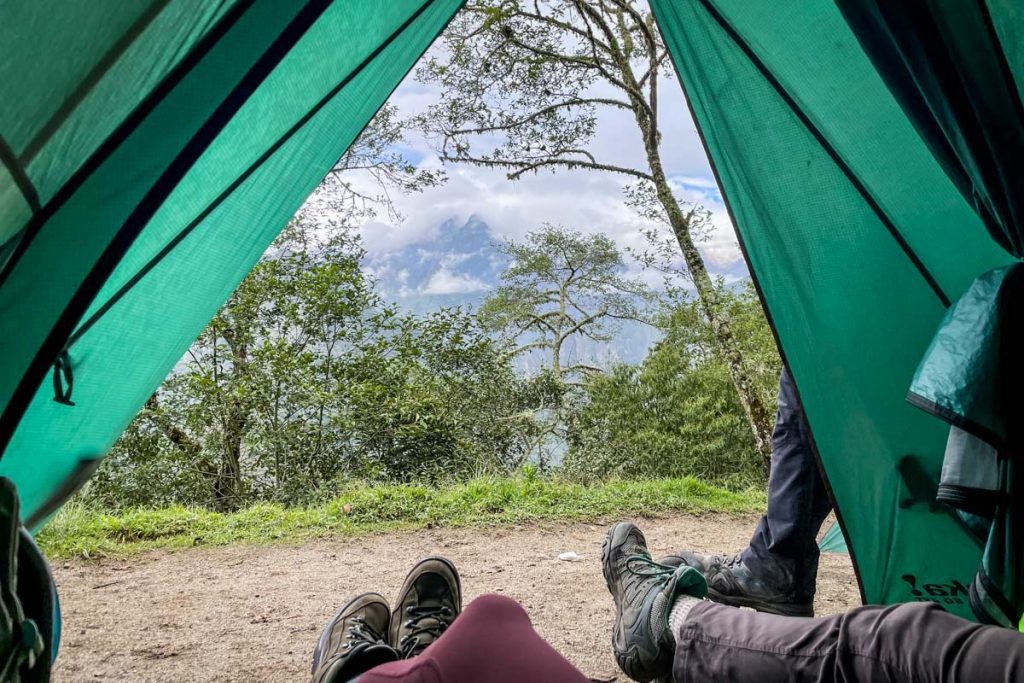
(831, 151)
(229, 190)
(21, 179)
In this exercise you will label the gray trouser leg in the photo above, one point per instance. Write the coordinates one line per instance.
(917, 642)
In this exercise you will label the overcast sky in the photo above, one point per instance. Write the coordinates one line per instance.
(584, 200)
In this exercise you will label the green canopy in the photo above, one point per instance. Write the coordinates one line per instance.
(860, 234)
(150, 151)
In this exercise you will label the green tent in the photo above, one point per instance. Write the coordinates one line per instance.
(146, 166)
(871, 157)
(147, 163)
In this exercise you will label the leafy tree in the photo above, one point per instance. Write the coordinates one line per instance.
(561, 285)
(522, 84)
(677, 413)
(434, 401)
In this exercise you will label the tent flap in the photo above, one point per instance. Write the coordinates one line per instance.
(857, 239)
(166, 156)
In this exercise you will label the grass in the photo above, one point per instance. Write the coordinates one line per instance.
(80, 531)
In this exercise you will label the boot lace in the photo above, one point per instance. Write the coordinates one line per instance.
(361, 632)
(644, 572)
(424, 620)
(730, 562)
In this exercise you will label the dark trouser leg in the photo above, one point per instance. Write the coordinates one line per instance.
(914, 642)
(783, 551)
(492, 640)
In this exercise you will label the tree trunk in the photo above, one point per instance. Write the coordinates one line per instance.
(181, 440)
(757, 413)
(234, 424)
(229, 474)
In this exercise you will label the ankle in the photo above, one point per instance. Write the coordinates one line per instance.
(680, 612)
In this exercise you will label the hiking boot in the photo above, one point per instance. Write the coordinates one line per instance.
(354, 640)
(644, 592)
(428, 603)
(730, 582)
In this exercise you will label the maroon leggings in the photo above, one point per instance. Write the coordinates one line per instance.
(492, 640)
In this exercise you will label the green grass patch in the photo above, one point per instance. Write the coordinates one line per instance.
(80, 531)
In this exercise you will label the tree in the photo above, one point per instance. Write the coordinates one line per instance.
(522, 83)
(677, 413)
(305, 377)
(250, 405)
(561, 285)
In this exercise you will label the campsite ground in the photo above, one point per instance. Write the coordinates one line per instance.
(252, 613)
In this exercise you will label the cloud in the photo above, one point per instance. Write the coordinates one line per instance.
(445, 281)
(583, 200)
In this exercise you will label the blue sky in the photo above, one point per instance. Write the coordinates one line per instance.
(583, 200)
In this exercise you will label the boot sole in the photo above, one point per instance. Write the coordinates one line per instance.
(613, 535)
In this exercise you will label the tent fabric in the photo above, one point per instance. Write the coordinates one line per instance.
(145, 168)
(833, 541)
(947, 66)
(146, 165)
(858, 240)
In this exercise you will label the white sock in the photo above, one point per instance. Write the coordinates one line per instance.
(680, 611)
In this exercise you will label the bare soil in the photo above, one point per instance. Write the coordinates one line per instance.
(251, 613)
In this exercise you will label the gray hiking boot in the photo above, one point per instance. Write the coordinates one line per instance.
(643, 591)
(354, 640)
(730, 582)
(429, 601)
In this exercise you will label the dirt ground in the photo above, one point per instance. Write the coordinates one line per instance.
(254, 613)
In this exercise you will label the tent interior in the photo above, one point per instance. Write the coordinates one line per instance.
(870, 157)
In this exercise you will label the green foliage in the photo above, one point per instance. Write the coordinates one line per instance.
(80, 530)
(305, 377)
(677, 414)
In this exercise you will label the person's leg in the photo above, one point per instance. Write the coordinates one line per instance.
(777, 572)
(493, 640)
(914, 642)
(783, 550)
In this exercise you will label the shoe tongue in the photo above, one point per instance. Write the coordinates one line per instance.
(359, 660)
(433, 591)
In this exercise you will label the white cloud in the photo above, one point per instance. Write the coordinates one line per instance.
(444, 281)
(583, 200)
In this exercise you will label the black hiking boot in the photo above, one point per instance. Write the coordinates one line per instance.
(644, 591)
(428, 603)
(354, 640)
(730, 582)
